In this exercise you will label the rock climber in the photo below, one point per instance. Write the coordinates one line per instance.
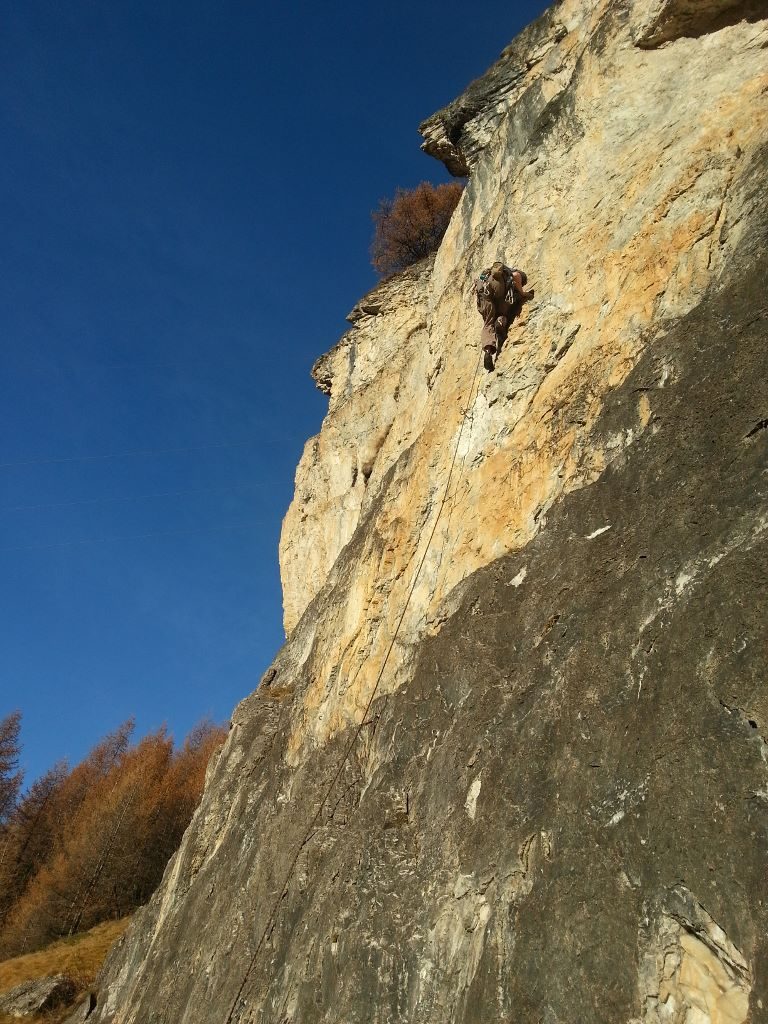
(500, 297)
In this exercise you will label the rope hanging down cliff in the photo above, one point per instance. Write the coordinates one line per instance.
(272, 918)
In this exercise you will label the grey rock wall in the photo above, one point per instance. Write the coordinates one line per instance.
(31, 998)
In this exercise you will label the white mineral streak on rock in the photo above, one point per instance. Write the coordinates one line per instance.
(622, 218)
(597, 533)
(518, 579)
(456, 941)
(470, 804)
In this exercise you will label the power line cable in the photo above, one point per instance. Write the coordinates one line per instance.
(134, 536)
(128, 497)
(139, 453)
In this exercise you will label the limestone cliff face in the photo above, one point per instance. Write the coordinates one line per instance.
(376, 411)
(556, 808)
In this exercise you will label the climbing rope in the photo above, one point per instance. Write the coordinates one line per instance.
(272, 918)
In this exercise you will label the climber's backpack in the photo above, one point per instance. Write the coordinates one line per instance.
(483, 285)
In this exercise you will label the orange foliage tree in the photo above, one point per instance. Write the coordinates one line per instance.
(28, 837)
(91, 844)
(411, 226)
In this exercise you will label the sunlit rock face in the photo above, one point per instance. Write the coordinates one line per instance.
(374, 378)
(538, 594)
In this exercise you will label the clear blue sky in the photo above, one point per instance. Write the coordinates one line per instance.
(169, 171)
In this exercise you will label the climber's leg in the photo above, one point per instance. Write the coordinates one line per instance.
(506, 314)
(487, 311)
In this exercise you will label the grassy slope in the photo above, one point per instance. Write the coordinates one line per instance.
(80, 957)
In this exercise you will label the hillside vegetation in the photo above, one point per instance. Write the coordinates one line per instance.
(79, 957)
(89, 844)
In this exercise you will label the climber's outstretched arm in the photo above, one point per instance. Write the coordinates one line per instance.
(518, 287)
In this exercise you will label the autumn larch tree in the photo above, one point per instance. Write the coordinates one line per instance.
(411, 225)
(28, 837)
(92, 844)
